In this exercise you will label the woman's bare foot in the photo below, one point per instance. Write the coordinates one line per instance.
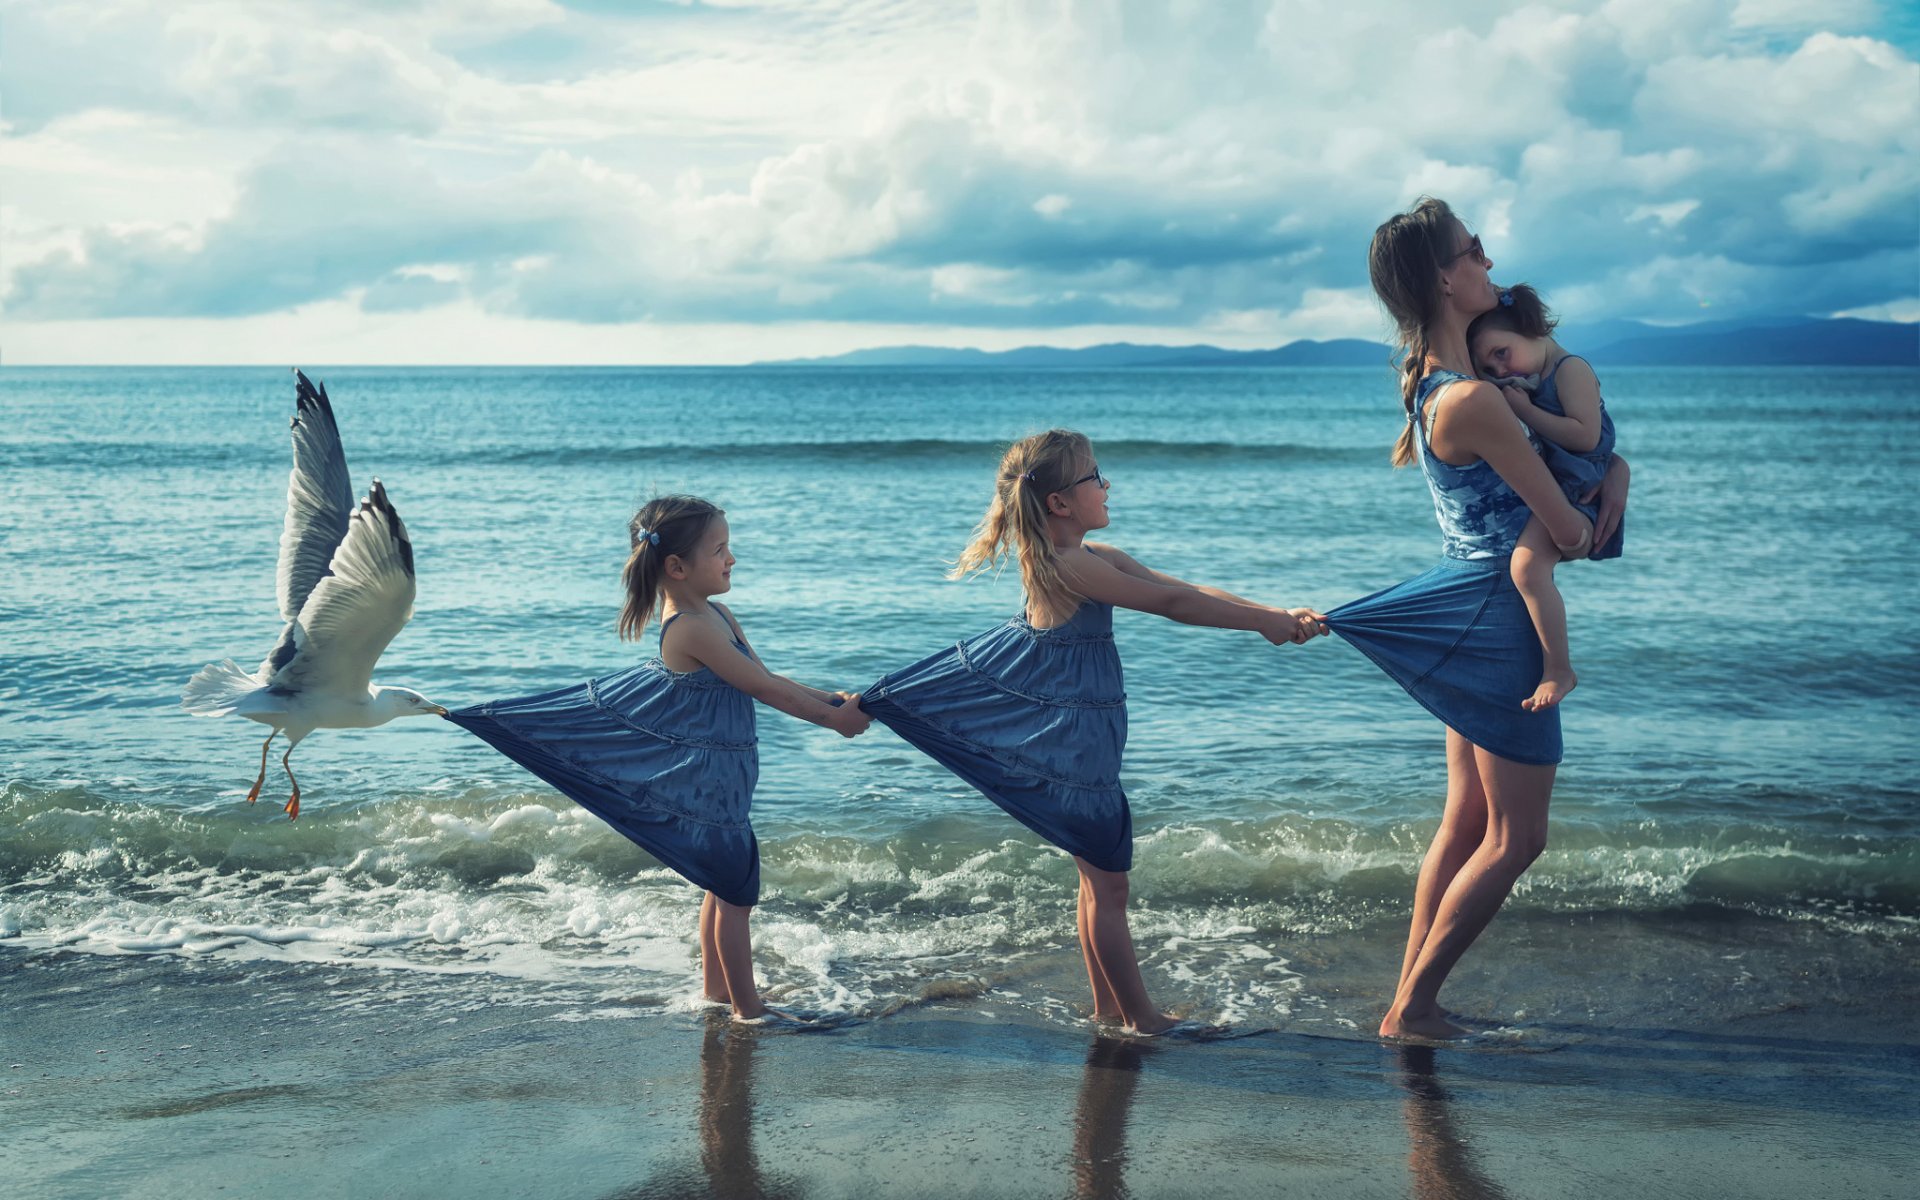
(1430, 1025)
(1554, 686)
(1160, 1023)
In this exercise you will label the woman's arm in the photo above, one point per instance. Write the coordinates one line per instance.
(705, 644)
(1475, 422)
(1579, 430)
(1097, 579)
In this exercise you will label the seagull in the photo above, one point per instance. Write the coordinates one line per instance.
(346, 588)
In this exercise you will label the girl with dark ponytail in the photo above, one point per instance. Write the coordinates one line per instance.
(665, 752)
(1458, 637)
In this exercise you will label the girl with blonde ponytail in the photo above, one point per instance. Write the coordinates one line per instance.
(1033, 712)
(1458, 637)
(665, 752)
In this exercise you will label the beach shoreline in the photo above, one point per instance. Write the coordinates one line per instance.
(163, 1076)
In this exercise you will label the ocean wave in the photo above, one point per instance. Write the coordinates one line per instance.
(82, 453)
(461, 841)
(922, 450)
(496, 883)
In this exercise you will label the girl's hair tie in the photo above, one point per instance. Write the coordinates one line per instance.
(1028, 476)
(650, 536)
(1506, 297)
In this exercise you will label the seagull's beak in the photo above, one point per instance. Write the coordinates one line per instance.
(437, 709)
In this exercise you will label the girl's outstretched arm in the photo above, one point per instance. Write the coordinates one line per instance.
(1313, 619)
(1097, 579)
(825, 697)
(710, 644)
(1579, 430)
(1139, 570)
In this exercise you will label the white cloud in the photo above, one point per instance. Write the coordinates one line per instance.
(979, 167)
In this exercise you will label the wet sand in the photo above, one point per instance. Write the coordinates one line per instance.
(146, 1077)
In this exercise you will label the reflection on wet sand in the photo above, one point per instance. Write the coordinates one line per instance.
(1100, 1117)
(727, 1156)
(1442, 1162)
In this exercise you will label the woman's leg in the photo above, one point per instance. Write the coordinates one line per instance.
(1105, 1007)
(1463, 826)
(1534, 559)
(735, 944)
(713, 977)
(1112, 946)
(1516, 833)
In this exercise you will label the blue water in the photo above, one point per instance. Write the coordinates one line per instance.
(1740, 750)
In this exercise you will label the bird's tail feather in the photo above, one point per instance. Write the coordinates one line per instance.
(218, 689)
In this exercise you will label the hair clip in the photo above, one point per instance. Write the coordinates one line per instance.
(1029, 477)
(1506, 297)
(650, 536)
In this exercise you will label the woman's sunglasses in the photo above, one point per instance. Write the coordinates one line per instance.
(1474, 248)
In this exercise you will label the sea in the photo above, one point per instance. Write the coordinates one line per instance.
(1733, 830)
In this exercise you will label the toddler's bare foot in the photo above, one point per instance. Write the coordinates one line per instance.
(1554, 686)
(1430, 1025)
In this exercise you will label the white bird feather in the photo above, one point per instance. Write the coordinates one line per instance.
(346, 588)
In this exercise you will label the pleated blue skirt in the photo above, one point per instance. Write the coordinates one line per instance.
(1036, 719)
(1458, 638)
(669, 759)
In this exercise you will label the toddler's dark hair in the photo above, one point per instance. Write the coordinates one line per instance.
(1527, 315)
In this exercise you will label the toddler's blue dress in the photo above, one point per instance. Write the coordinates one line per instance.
(668, 758)
(1579, 473)
(1034, 718)
(1458, 636)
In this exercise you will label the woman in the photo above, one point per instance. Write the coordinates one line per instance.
(1458, 637)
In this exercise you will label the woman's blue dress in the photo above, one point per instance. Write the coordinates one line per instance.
(668, 758)
(1458, 636)
(1575, 471)
(1034, 718)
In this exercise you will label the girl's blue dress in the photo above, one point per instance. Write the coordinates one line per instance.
(1458, 636)
(668, 758)
(1579, 473)
(1034, 718)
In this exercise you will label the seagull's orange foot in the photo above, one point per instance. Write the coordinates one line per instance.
(255, 793)
(293, 806)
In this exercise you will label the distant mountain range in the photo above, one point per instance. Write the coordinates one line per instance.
(1791, 341)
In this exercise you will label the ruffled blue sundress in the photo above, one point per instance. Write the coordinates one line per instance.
(1576, 472)
(1458, 636)
(668, 758)
(1034, 718)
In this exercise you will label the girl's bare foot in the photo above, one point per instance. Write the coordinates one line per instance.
(1431, 1026)
(1107, 1018)
(1554, 686)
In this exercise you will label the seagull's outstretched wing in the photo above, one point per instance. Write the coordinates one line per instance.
(319, 499)
(356, 609)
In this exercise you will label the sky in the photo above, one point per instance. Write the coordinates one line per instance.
(529, 181)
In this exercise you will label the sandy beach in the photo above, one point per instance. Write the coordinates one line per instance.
(164, 1077)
